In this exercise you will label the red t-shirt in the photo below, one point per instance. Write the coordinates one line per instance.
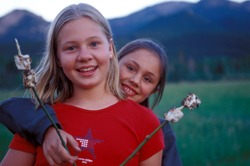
(107, 136)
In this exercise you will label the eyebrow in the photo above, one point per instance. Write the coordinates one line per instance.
(94, 37)
(97, 38)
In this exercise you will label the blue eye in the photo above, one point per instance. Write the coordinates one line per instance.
(71, 48)
(94, 44)
(130, 68)
(147, 79)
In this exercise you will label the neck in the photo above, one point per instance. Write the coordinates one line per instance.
(92, 99)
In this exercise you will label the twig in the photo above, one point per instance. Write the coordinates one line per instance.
(174, 115)
(27, 69)
(57, 130)
(142, 144)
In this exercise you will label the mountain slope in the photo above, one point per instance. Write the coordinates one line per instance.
(23, 25)
(122, 26)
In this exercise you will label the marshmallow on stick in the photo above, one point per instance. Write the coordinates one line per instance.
(23, 63)
(175, 114)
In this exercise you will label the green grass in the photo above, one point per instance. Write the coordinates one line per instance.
(216, 133)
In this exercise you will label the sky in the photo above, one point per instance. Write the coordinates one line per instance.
(48, 9)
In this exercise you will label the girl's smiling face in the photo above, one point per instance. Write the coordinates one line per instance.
(84, 53)
(139, 74)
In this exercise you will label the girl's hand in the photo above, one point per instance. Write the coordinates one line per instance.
(53, 149)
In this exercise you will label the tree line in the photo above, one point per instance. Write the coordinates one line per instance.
(180, 69)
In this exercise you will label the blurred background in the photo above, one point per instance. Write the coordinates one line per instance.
(208, 47)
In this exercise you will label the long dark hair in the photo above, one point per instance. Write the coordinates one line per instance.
(157, 50)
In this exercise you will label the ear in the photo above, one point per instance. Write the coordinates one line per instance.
(154, 91)
(111, 49)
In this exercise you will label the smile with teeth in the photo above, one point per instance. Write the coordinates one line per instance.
(129, 91)
(87, 69)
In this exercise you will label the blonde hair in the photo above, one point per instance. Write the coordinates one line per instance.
(52, 84)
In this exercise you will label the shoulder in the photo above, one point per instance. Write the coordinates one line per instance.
(61, 106)
(137, 108)
(133, 105)
(141, 113)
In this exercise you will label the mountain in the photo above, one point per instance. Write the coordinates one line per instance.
(124, 25)
(211, 11)
(23, 25)
(206, 28)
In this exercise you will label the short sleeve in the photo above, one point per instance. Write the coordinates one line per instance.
(156, 142)
(20, 143)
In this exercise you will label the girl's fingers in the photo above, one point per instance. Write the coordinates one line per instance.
(53, 159)
(63, 153)
(73, 143)
(50, 148)
(55, 152)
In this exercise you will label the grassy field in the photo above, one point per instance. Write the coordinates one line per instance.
(217, 133)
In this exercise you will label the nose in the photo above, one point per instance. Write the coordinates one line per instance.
(135, 80)
(84, 55)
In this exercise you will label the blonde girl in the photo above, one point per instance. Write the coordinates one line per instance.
(81, 68)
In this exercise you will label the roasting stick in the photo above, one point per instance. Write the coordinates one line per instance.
(23, 63)
(173, 115)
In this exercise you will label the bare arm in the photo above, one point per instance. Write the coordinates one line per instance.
(154, 160)
(16, 157)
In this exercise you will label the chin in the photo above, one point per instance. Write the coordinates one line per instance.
(137, 101)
